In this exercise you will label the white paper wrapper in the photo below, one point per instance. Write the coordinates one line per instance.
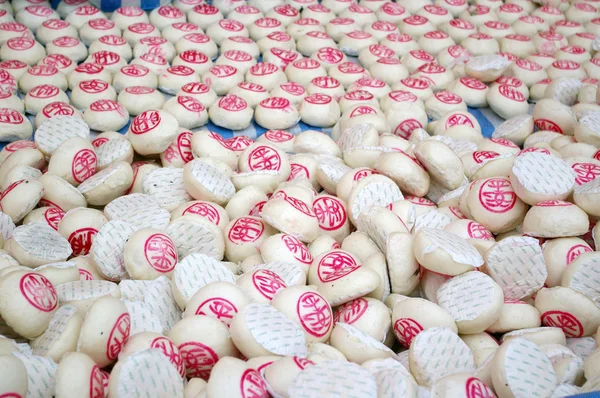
(274, 331)
(432, 219)
(586, 278)
(197, 236)
(511, 125)
(108, 248)
(567, 90)
(166, 186)
(7, 226)
(517, 265)
(487, 62)
(353, 136)
(459, 249)
(591, 120)
(439, 352)
(377, 365)
(198, 270)
(290, 273)
(528, 369)
(41, 241)
(376, 193)
(41, 375)
(460, 147)
(393, 383)
(582, 346)
(333, 168)
(149, 373)
(364, 338)
(112, 150)
(565, 390)
(59, 129)
(83, 290)
(466, 296)
(333, 379)
(142, 211)
(57, 325)
(142, 318)
(547, 175)
(213, 179)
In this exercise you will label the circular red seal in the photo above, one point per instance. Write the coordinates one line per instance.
(528, 65)
(318, 99)
(306, 63)
(101, 24)
(223, 70)
(476, 388)
(130, 11)
(145, 122)
(497, 25)
(462, 24)
(246, 230)
(293, 88)
(267, 283)
(171, 351)
(314, 314)
(84, 165)
(139, 90)
(473, 83)
(85, 275)
(315, 34)
(118, 336)
(199, 359)
(335, 265)
(10, 116)
(350, 67)
(170, 12)
(239, 143)
(247, 10)
(38, 291)
(218, 307)
(478, 231)
(205, 210)
(205, 9)
(298, 249)
(81, 240)
(89, 68)
(134, 70)
(274, 103)
(191, 104)
(39, 11)
(392, 8)
(105, 58)
(585, 172)
(510, 93)
(180, 70)
(545, 124)
(480, 156)
(415, 20)
(195, 88)
(405, 329)
(44, 91)
(55, 24)
(264, 158)
(497, 196)
(307, 22)
(576, 251)
(406, 127)
(160, 252)
(253, 385)
(448, 98)
(107, 106)
(55, 109)
(141, 28)
(359, 34)
(565, 65)
(20, 43)
(232, 103)
(415, 83)
(185, 26)
(554, 203)
(504, 142)
(86, 10)
(564, 320)
(279, 136)
(42, 70)
(351, 311)
(263, 69)
(286, 10)
(57, 60)
(96, 383)
(16, 145)
(231, 25)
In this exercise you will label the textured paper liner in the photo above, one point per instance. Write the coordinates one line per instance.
(157, 296)
(393, 383)
(334, 379)
(528, 370)
(83, 290)
(41, 241)
(198, 270)
(432, 219)
(487, 62)
(547, 175)
(585, 279)
(108, 248)
(581, 346)
(511, 125)
(139, 215)
(142, 318)
(196, 236)
(57, 325)
(59, 129)
(438, 352)
(363, 338)
(112, 150)
(212, 179)
(466, 296)
(166, 186)
(567, 90)
(376, 192)
(41, 375)
(7, 226)
(517, 265)
(353, 136)
(332, 167)
(274, 331)
(149, 373)
(459, 249)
